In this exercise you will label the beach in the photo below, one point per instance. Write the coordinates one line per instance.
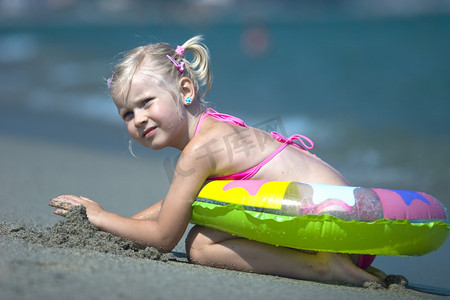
(34, 267)
(367, 83)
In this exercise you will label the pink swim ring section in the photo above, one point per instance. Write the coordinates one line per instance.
(410, 205)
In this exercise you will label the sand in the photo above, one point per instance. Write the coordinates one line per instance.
(43, 256)
(75, 231)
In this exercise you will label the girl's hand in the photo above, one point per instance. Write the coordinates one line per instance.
(64, 203)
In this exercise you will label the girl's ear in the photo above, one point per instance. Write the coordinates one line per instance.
(187, 90)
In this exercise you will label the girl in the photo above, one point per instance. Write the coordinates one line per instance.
(157, 93)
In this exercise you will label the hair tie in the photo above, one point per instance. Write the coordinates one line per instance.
(180, 51)
(179, 65)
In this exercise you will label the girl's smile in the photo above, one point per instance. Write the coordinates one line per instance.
(149, 132)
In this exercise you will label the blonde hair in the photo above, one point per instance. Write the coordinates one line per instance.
(152, 60)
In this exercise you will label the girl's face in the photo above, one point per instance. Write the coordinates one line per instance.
(152, 115)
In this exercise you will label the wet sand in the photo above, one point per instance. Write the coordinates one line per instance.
(44, 256)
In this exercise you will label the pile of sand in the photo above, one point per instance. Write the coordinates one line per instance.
(75, 231)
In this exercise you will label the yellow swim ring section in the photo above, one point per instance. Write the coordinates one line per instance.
(324, 217)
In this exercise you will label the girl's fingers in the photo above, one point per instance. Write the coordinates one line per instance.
(60, 204)
(86, 199)
(68, 198)
(65, 202)
(60, 212)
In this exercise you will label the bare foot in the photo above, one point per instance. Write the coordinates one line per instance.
(377, 273)
(342, 269)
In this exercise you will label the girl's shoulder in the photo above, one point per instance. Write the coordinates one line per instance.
(214, 143)
(211, 134)
(214, 130)
(229, 148)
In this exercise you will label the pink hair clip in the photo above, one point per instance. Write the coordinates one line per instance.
(180, 51)
(109, 81)
(179, 65)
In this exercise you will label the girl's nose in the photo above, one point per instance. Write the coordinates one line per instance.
(140, 118)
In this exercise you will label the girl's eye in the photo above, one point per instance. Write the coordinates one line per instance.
(128, 116)
(147, 100)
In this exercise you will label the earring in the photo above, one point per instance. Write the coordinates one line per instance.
(188, 100)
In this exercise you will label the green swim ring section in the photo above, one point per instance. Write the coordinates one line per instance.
(324, 232)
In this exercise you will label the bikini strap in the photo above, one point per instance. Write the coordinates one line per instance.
(306, 144)
(219, 117)
(286, 141)
(290, 141)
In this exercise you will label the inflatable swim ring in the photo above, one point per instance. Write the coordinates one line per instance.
(324, 217)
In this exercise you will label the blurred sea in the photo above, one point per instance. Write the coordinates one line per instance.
(373, 92)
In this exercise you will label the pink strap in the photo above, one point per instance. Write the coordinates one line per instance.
(249, 173)
(287, 141)
(291, 139)
(219, 117)
(305, 143)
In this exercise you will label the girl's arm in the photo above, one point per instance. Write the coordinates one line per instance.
(162, 232)
(150, 213)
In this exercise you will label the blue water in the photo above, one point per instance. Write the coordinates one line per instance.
(373, 94)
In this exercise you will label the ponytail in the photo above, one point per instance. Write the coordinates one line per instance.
(199, 68)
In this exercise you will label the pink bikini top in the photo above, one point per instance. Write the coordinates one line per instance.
(247, 174)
